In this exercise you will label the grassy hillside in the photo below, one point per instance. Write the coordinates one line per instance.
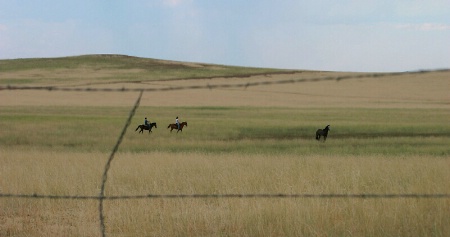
(300, 88)
(112, 68)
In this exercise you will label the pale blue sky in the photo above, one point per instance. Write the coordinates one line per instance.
(348, 35)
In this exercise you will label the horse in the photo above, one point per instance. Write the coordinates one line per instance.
(173, 126)
(322, 132)
(144, 127)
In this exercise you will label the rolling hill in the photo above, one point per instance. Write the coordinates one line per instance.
(173, 83)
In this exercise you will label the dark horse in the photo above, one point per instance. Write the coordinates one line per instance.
(322, 132)
(143, 127)
(173, 126)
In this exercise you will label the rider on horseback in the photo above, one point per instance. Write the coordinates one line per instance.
(146, 123)
(177, 123)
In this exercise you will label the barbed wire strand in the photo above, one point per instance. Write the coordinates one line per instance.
(108, 164)
(222, 86)
(235, 195)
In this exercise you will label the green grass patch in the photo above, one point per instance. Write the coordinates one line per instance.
(230, 130)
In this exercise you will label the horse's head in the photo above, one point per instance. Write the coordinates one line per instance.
(327, 127)
(184, 123)
(154, 124)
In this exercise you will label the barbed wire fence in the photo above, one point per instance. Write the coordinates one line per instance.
(222, 86)
(101, 197)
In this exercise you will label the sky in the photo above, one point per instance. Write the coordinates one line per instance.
(346, 35)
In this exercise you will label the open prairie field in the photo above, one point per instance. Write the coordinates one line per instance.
(389, 138)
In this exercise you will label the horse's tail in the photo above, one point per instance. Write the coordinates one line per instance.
(318, 135)
(137, 128)
(169, 126)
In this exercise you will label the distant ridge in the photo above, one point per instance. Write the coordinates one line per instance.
(127, 59)
(116, 68)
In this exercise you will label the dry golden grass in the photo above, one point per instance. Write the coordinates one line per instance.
(58, 168)
(62, 173)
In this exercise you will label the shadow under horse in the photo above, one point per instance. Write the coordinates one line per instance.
(173, 126)
(144, 127)
(322, 132)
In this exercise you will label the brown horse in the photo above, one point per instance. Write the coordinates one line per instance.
(173, 126)
(143, 127)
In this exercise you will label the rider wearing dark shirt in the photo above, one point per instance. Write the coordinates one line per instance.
(146, 123)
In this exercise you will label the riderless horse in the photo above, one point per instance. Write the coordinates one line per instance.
(322, 132)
